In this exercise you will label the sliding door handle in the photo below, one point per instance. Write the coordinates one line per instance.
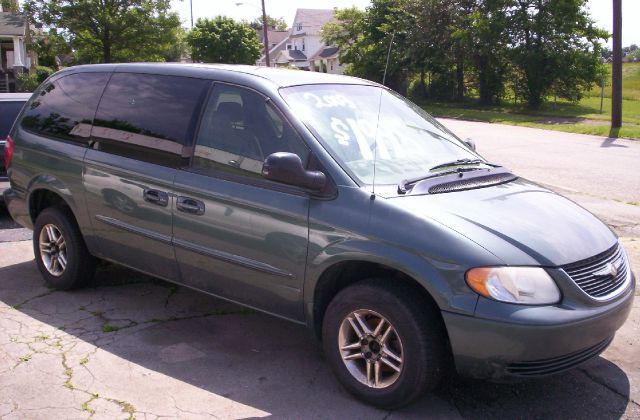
(190, 205)
(159, 198)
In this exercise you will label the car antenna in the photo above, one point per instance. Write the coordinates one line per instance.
(386, 66)
(375, 148)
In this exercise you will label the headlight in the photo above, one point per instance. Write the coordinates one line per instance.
(523, 285)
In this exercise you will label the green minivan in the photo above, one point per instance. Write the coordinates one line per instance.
(326, 200)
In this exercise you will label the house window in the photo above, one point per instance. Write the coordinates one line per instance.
(288, 46)
(302, 44)
(299, 26)
(331, 64)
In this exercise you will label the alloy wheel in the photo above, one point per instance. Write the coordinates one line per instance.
(371, 348)
(53, 249)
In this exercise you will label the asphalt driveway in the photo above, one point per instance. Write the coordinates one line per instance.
(132, 346)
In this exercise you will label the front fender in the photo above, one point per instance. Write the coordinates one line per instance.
(443, 280)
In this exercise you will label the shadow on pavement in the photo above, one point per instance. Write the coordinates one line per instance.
(9, 230)
(611, 142)
(270, 364)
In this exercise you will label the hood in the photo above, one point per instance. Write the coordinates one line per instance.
(519, 222)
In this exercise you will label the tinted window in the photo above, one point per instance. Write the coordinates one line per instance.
(239, 129)
(8, 113)
(148, 117)
(65, 107)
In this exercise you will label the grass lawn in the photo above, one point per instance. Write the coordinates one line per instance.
(582, 117)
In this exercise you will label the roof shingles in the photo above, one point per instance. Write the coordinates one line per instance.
(12, 24)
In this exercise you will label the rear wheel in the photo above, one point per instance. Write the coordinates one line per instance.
(386, 347)
(61, 254)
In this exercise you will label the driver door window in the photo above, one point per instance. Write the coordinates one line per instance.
(239, 129)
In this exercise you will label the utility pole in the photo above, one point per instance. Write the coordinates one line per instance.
(191, 7)
(265, 31)
(616, 83)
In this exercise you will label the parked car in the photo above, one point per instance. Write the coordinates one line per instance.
(10, 106)
(326, 200)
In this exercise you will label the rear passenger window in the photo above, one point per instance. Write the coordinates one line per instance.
(64, 108)
(148, 117)
(239, 129)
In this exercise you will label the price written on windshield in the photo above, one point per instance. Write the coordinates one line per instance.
(362, 133)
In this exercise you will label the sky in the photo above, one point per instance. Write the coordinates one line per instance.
(601, 11)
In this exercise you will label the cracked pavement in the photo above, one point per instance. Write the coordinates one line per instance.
(130, 346)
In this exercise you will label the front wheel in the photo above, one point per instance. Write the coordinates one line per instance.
(61, 254)
(385, 346)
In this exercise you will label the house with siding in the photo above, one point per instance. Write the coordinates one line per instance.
(277, 42)
(13, 52)
(303, 47)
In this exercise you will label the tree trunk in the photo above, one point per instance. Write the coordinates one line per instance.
(459, 75)
(483, 83)
(106, 52)
(106, 46)
(423, 85)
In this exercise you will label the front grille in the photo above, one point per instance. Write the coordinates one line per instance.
(595, 275)
(557, 364)
(469, 184)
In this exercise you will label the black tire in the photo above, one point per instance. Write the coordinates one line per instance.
(80, 264)
(419, 328)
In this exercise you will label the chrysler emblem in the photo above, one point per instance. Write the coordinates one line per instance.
(609, 270)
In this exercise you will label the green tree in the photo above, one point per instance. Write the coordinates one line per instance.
(429, 46)
(9, 5)
(223, 40)
(555, 48)
(279, 23)
(482, 30)
(105, 31)
(180, 49)
(49, 46)
(364, 38)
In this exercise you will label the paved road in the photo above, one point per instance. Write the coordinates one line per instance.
(602, 167)
(602, 175)
(131, 346)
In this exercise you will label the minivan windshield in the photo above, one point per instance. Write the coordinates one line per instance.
(360, 125)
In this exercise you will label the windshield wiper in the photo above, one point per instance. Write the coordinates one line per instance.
(403, 186)
(459, 162)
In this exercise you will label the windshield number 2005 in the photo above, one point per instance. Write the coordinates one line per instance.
(329, 101)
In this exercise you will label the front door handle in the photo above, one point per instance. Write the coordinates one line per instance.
(190, 205)
(157, 197)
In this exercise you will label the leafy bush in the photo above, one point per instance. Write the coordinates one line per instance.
(42, 73)
(28, 82)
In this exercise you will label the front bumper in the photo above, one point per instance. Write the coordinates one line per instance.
(532, 341)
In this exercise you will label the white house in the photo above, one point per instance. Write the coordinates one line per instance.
(326, 60)
(304, 48)
(13, 53)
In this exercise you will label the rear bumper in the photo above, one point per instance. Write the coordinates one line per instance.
(502, 349)
(17, 207)
(4, 185)
(3, 171)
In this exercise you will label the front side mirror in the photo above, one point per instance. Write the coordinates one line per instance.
(470, 144)
(287, 168)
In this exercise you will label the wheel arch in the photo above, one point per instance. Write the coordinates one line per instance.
(45, 190)
(41, 198)
(326, 279)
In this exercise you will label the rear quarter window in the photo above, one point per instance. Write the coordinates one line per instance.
(64, 108)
